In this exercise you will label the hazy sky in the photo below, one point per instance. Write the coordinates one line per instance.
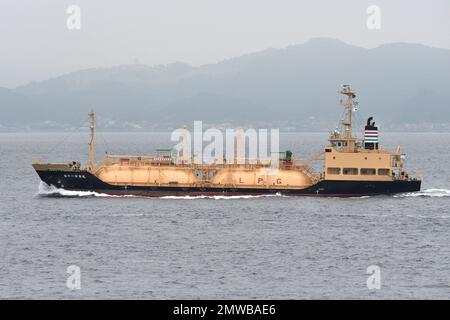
(35, 43)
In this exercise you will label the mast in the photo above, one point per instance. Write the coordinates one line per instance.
(344, 141)
(91, 142)
(347, 122)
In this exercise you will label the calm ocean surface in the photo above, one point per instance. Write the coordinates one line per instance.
(188, 248)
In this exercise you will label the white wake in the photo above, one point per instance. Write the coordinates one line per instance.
(223, 197)
(439, 193)
(52, 191)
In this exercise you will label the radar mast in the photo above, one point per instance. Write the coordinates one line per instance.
(344, 141)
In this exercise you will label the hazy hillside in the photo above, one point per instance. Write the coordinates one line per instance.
(295, 87)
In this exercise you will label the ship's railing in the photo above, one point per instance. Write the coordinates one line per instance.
(138, 161)
(126, 159)
(407, 177)
(304, 166)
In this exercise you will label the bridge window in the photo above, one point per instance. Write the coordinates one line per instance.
(350, 171)
(368, 171)
(334, 170)
(383, 172)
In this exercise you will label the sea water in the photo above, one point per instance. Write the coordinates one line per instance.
(263, 247)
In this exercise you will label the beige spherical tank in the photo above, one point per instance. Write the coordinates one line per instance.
(186, 176)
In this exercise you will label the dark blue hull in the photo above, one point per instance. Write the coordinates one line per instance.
(84, 181)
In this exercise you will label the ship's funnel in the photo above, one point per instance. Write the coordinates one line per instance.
(370, 135)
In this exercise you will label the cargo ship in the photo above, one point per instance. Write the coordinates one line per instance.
(351, 167)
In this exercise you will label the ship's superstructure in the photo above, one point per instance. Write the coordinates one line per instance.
(351, 167)
(349, 159)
